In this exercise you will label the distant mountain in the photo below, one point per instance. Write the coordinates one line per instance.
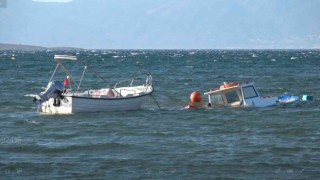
(163, 23)
(19, 47)
(4, 46)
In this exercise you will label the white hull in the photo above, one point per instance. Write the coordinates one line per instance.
(76, 104)
(260, 102)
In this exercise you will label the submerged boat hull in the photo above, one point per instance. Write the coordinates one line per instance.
(285, 99)
(239, 94)
(76, 104)
(261, 101)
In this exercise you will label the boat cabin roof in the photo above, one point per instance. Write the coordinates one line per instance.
(229, 89)
(219, 91)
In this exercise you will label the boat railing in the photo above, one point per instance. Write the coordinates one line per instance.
(135, 80)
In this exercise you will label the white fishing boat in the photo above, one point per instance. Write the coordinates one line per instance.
(58, 98)
(239, 94)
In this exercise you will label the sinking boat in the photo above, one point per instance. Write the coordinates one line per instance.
(61, 98)
(238, 94)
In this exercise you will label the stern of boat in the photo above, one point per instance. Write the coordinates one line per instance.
(56, 106)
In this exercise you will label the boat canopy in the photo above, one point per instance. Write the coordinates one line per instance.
(67, 57)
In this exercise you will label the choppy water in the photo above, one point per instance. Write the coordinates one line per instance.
(280, 142)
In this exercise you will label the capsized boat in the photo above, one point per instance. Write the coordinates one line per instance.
(287, 98)
(58, 98)
(238, 94)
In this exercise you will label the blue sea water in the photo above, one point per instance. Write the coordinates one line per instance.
(279, 142)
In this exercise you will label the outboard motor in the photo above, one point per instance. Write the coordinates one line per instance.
(53, 90)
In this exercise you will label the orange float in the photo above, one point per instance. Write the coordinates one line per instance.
(229, 85)
(195, 97)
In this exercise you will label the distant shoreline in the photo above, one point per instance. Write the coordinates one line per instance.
(6, 46)
(24, 47)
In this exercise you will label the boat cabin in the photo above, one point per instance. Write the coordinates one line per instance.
(238, 94)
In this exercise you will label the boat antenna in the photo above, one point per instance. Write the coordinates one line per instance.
(84, 70)
(94, 72)
(66, 71)
(98, 75)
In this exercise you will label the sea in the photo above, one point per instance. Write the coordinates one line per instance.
(165, 142)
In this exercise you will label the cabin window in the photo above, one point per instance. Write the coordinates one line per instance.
(232, 97)
(249, 92)
(217, 99)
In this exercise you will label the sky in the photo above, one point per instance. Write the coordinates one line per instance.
(57, 1)
(162, 24)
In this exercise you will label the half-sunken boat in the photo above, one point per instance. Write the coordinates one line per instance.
(238, 94)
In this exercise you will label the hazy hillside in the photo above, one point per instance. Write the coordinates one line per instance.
(19, 47)
(163, 23)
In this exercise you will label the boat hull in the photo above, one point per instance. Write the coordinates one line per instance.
(77, 104)
(261, 102)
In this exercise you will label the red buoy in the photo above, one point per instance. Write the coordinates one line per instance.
(65, 82)
(195, 97)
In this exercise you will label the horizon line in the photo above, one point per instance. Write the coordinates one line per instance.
(81, 48)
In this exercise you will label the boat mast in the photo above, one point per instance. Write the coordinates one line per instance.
(67, 72)
(98, 75)
(54, 72)
(67, 57)
(85, 67)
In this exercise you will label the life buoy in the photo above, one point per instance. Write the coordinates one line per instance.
(229, 85)
(195, 97)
